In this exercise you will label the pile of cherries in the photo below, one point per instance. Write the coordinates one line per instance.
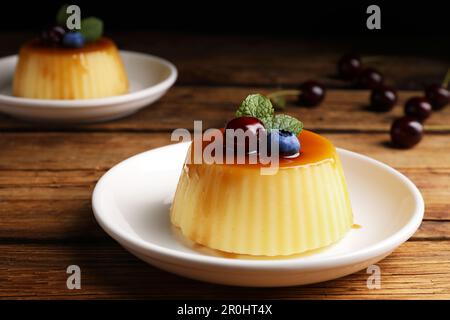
(406, 131)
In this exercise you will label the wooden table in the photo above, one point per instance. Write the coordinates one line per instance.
(47, 173)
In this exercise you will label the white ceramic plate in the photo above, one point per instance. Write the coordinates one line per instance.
(150, 77)
(131, 202)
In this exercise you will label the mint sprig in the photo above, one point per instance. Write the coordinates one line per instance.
(287, 123)
(260, 107)
(91, 28)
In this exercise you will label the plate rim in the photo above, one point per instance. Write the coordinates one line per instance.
(98, 102)
(155, 251)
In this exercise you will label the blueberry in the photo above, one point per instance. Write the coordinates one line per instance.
(73, 40)
(288, 143)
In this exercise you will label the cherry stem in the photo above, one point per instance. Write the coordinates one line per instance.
(279, 93)
(446, 79)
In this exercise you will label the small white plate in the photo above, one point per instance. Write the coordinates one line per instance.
(149, 76)
(131, 202)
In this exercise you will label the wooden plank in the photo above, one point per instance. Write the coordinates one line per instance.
(433, 230)
(48, 195)
(341, 110)
(272, 60)
(417, 270)
(100, 151)
(73, 151)
(47, 173)
(73, 220)
(78, 184)
(434, 184)
(55, 220)
(56, 205)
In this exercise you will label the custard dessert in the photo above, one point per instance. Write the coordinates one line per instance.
(92, 71)
(64, 63)
(234, 208)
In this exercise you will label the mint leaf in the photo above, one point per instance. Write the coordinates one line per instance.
(91, 28)
(62, 15)
(285, 122)
(258, 106)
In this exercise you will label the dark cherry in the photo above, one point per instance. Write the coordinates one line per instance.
(247, 124)
(383, 98)
(53, 35)
(438, 96)
(312, 93)
(370, 78)
(349, 66)
(406, 132)
(418, 108)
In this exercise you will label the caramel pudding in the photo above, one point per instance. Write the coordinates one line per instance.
(233, 208)
(54, 72)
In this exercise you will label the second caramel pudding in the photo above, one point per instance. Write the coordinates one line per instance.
(93, 71)
(233, 208)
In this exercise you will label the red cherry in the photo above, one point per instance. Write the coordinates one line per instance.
(418, 107)
(406, 132)
(370, 78)
(251, 126)
(383, 98)
(438, 96)
(312, 93)
(53, 35)
(349, 66)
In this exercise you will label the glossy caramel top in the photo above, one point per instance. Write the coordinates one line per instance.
(314, 149)
(37, 46)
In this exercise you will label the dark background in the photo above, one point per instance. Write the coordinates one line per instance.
(399, 18)
(414, 38)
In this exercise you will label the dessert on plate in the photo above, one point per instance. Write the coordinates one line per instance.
(70, 64)
(234, 208)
